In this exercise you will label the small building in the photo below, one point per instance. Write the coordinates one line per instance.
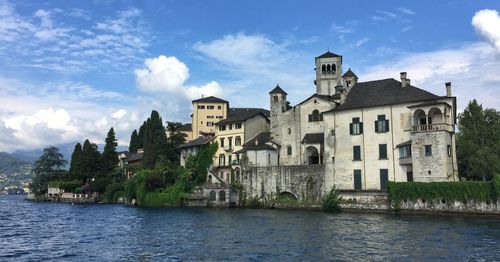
(259, 151)
(192, 148)
(126, 160)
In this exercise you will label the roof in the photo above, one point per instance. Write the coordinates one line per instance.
(259, 142)
(349, 73)
(323, 97)
(202, 140)
(430, 103)
(313, 138)
(131, 157)
(210, 99)
(328, 54)
(278, 90)
(406, 143)
(186, 127)
(382, 92)
(242, 114)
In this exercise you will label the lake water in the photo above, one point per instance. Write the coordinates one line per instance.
(64, 232)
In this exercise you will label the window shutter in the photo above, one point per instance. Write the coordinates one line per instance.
(361, 128)
(350, 128)
(376, 127)
(310, 118)
(387, 125)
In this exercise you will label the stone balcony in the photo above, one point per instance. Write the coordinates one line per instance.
(434, 127)
(406, 161)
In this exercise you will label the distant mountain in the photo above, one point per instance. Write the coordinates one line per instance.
(9, 164)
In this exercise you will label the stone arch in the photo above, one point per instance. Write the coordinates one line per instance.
(212, 195)
(323, 68)
(286, 194)
(237, 173)
(315, 115)
(435, 116)
(328, 68)
(420, 117)
(210, 179)
(222, 196)
(312, 155)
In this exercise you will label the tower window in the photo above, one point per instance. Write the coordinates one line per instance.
(315, 116)
(289, 150)
(323, 69)
(428, 150)
(334, 68)
(275, 98)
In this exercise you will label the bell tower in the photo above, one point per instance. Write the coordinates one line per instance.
(328, 73)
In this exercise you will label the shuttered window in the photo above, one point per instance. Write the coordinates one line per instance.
(356, 153)
(382, 151)
(382, 124)
(356, 127)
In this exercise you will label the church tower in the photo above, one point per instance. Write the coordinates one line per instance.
(278, 105)
(328, 73)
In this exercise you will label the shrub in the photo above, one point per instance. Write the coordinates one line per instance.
(172, 196)
(254, 203)
(130, 188)
(153, 182)
(111, 192)
(331, 202)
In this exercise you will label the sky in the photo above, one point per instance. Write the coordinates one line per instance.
(69, 70)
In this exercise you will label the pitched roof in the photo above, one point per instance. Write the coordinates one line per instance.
(328, 54)
(186, 127)
(242, 114)
(313, 138)
(278, 90)
(349, 73)
(210, 99)
(406, 143)
(258, 143)
(324, 97)
(131, 157)
(202, 140)
(382, 92)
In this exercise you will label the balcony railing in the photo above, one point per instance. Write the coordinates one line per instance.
(405, 161)
(228, 148)
(235, 162)
(433, 127)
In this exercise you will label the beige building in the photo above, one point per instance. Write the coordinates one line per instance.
(241, 125)
(206, 112)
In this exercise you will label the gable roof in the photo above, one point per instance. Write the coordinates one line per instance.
(202, 140)
(242, 114)
(349, 73)
(210, 99)
(313, 138)
(323, 97)
(259, 142)
(130, 157)
(278, 90)
(328, 54)
(382, 92)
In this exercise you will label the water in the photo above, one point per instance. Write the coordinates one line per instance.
(64, 232)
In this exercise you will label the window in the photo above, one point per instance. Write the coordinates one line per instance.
(315, 116)
(237, 126)
(222, 160)
(405, 151)
(210, 116)
(201, 123)
(222, 128)
(382, 151)
(449, 150)
(357, 179)
(289, 131)
(219, 107)
(230, 141)
(384, 178)
(356, 127)
(201, 107)
(237, 141)
(428, 150)
(289, 150)
(222, 142)
(275, 98)
(210, 107)
(230, 157)
(230, 126)
(381, 125)
(332, 132)
(268, 159)
(210, 123)
(356, 152)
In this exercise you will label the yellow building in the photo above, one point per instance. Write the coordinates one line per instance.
(241, 125)
(206, 112)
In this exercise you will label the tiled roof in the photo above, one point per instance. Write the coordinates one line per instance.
(210, 99)
(242, 114)
(349, 73)
(313, 138)
(131, 157)
(382, 92)
(277, 90)
(258, 143)
(328, 54)
(323, 97)
(202, 140)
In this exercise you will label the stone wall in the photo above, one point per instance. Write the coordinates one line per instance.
(441, 206)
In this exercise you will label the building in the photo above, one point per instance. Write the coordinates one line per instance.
(206, 112)
(128, 161)
(185, 129)
(241, 125)
(259, 151)
(192, 148)
(366, 133)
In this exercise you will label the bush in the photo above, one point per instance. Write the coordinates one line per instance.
(130, 189)
(331, 202)
(172, 196)
(100, 184)
(254, 203)
(153, 182)
(449, 191)
(111, 194)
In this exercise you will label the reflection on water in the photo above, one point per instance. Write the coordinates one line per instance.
(52, 231)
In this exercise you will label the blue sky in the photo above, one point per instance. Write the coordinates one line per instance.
(71, 69)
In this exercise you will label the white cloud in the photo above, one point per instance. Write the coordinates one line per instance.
(340, 29)
(362, 41)
(119, 114)
(406, 10)
(168, 74)
(487, 23)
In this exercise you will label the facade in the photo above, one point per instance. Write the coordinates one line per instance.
(366, 133)
(192, 148)
(206, 112)
(241, 125)
(259, 151)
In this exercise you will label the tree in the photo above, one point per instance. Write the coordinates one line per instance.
(91, 164)
(134, 142)
(175, 139)
(75, 169)
(478, 142)
(109, 157)
(48, 167)
(154, 140)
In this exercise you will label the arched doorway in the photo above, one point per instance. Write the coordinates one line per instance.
(222, 195)
(213, 195)
(210, 179)
(312, 155)
(233, 198)
(287, 195)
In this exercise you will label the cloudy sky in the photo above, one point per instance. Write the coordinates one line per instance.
(70, 70)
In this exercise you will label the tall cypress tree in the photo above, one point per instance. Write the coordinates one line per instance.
(91, 164)
(154, 141)
(109, 157)
(134, 142)
(75, 168)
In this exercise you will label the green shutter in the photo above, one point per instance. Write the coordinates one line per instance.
(387, 125)
(350, 128)
(384, 177)
(361, 128)
(357, 179)
(376, 127)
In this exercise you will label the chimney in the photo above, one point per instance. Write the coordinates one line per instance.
(408, 82)
(448, 89)
(403, 79)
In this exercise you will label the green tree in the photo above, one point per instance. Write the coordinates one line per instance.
(175, 139)
(91, 164)
(197, 165)
(109, 157)
(134, 142)
(48, 167)
(75, 168)
(154, 141)
(478, 142)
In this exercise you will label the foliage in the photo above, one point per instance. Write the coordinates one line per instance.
(76, 165)
(253, 202)
(478, 142)
(197, 165)
(48, 167)
(174, 139)
(66, 185)
(113, 192)
(134, 142)
(331, 202)
(154, 182)
(90, 161)
(109, 157)
(99, 184)
(449, 191)
(154, 141)
(172, 196)
(130, 189)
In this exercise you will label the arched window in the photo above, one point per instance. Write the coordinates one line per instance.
(212, 195)
(334, 68)
(323, 68)
(315, 115)
(328, 68)
(222, 195)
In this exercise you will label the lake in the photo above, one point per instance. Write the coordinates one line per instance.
(64, 232)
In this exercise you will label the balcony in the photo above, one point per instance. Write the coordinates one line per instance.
(235, 162)
(228, 148)
(433, 127)
(406, 161)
